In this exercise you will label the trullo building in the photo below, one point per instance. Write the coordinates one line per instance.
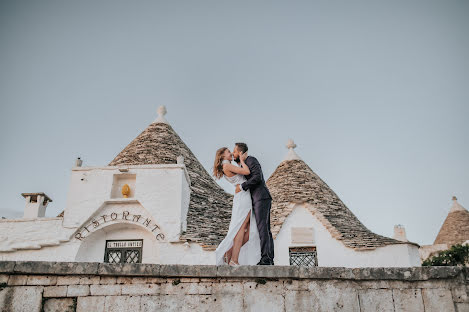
(155, 203)
(455, 230)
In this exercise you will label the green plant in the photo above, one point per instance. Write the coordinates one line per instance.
(457, 255)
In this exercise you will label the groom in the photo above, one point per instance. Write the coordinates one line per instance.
(261, 202)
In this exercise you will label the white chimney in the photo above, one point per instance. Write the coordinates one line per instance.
(36, 204)
(399, 233)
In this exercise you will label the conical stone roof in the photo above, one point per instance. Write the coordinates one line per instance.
(455, 229)
(294, 182)
(210, 206)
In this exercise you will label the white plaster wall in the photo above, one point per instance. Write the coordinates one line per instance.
(179, 253)
(162, 189)
(332, 252)
(31, 233)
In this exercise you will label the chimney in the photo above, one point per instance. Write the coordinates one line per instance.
(78, 162)
(399, 233)
(36, 204)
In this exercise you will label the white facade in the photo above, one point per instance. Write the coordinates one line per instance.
(331, 252)
(96, 211)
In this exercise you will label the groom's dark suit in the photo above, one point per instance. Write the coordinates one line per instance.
(261, 203)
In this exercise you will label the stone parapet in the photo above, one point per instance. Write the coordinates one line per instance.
(78, 286)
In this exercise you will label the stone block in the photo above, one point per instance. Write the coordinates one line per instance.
(4, 279)
(17, 280)
(460, 294)
(129, 269)
(59, 305)
(122, 303)
(437, 299)
(232, 288)
(107, 280)
(55, 291)
(376, 300)
(43, 267)
(68, 280)
(265, 286)
(105, 290)
(141, 289)
(21, 298)
(90, 280)
(258, 271)
(188, 270)
(41, 280)
(7, 266)
(125, 280)
(92, 303)
(407, 300)
(334, 295)
(295, 285)
(78, 290)
(179, 303)
(462, 307)
(301, 300)
(261, 300)
(325, 273)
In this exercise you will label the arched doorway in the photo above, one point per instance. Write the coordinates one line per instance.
(123, 237)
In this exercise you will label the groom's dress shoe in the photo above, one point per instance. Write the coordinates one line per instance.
(265, 262)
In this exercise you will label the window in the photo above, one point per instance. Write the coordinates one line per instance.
(303, 256)
(123, 251)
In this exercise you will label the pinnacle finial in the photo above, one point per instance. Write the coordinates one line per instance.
(291, 144)
(161, 112)
(456, 206)
(291, 153)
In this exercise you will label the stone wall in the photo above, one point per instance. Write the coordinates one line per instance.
(72, 286)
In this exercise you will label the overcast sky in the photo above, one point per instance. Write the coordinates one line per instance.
(375, 94)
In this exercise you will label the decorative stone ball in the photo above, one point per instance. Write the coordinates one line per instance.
(126, 190)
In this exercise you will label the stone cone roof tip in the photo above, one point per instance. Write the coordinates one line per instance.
(295, 182)
(210, 206)
(455, 228)
(292, 155)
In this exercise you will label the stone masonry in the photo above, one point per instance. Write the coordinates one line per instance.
(62, 286)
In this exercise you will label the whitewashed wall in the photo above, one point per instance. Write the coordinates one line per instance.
(96, 211)
(332, 252)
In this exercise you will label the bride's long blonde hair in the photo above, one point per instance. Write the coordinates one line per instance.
(218, 165)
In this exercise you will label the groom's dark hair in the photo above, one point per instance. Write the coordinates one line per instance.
(242, 147)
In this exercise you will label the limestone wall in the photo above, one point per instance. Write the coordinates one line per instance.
(70, 286)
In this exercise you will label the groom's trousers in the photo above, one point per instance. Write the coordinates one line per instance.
(261, 210)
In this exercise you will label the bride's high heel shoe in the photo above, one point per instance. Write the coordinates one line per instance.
(225, 259)
(233, 263)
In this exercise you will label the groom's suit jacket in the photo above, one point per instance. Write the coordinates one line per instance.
(255, 181)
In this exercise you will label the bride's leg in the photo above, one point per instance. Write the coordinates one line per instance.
(246, 232)
(238, 240)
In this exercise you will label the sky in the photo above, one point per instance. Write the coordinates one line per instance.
(374, 93)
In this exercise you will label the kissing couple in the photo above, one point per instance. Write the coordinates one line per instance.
(249, 240)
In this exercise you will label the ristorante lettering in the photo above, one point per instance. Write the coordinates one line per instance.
(113, 216)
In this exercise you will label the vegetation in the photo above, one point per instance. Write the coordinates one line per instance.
(457, 255)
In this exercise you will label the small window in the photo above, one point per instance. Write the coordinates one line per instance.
(303, 256)
(123, 251)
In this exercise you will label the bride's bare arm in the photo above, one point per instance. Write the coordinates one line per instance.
(244, 169)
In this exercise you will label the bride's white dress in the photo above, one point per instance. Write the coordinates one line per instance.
(250, 253)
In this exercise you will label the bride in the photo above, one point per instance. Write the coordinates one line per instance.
(242, 244)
